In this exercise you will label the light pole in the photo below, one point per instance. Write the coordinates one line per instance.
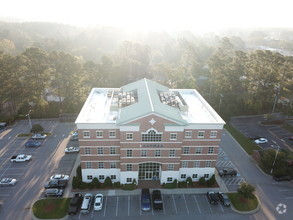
(220, 102)
(29, 118)
(275, 156)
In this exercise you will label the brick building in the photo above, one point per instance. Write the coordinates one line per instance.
(146, 131)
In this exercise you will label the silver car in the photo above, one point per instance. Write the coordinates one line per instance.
(8, 182)
(71, 149)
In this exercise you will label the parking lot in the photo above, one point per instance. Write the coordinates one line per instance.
(185, 204)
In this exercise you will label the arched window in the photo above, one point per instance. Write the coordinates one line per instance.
(151, 136)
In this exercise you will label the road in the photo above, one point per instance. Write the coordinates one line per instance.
(271, 193)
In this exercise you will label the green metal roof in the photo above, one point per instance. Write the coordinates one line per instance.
(148, 103)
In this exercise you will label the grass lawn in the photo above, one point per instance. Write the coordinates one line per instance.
(51, 208)
(24, 135)
(242, 204)
(245, 142)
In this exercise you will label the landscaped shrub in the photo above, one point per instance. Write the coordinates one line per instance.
(202, 181)
(96, 183)
(211, 181)
(182, 184)
(76, 182)
(117, 185)
(78, 171)
(108, 182)
(37, 128)
(130, 186)
(246, 190)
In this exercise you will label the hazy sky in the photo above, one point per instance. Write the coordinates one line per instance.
(155, 14)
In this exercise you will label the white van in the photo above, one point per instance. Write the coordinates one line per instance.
(86, 203)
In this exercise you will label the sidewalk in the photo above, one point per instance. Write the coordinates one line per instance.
(120, 192)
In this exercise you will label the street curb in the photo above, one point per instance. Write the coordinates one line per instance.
(248, 212)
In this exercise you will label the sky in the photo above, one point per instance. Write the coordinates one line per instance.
(154, 14)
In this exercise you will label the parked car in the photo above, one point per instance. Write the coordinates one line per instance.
(38, 136)
(60, 184)
(157, 200)
(75, 204)
(20, 158)
(71, 149)
(98, 205)
(8, 182)
(224, 199)
(227, 172)
(54, 192)
(59, 177)
(282, 178)
(145, 200)
(32, 143)
(86, 203)
(261, 141)
(74, 136)
(212, 197)
(3, 124)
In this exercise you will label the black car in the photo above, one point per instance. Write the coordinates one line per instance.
(157, 200)
(224, 199)
(212, 197)
(75, 204)
(282, 178)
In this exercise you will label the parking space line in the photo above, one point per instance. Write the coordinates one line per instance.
(222, 207)
(140, 205)
(163, 205)
(209, 205)
(117, 207)
(128, 206)
(92, 215)
(105, 206)
(186, 204)
(174, 204)
(4, 195)
(197, 204)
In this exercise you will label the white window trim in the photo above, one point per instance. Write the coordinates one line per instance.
(212, 136)
(112, 136)
(200, 136)
(86, 136)
(174, 139)
(99, 136)
(129, 139)
(185, 136)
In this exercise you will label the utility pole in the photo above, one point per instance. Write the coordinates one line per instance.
(275, 156)
(29, 119)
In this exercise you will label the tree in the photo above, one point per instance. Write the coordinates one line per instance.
(246, 190)
(37, 128)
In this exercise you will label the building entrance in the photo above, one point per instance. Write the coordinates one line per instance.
(149, 171)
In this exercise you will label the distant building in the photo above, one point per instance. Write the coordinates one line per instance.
(146, 131)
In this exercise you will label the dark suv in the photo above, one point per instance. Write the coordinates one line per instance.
(75, 204)
(157, 200)
(145, 200)
(213, 198)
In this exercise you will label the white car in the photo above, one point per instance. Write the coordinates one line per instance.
(72, 149)
(261, 141)
(8, 182)
(59, 177)
(98, 205)
(39, 136)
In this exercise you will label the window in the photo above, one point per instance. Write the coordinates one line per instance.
(101, 177)
(128, 167)
(211, 150)
(173, 136)
(208, 163)
(213, 134)
(112, 134)
(128, 153)
(89, 177)
(100, 150)
(113, 177)
(169, 179)
(170, 167)
(112, 150)
(185, 150)
(112, 164)
(198, 150)
(194, 175)
(88, 165)
(101, 165)
(196, 163)
(206, 176)
(86, 134)
(99, 134)
(151, 136)
(172, 153)
(129, 136)
(184, 164)
(183, 176)
(129, 180)
(87, 150)
(143, 153)
(157, 153)
(200, 134)
(188, 134)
